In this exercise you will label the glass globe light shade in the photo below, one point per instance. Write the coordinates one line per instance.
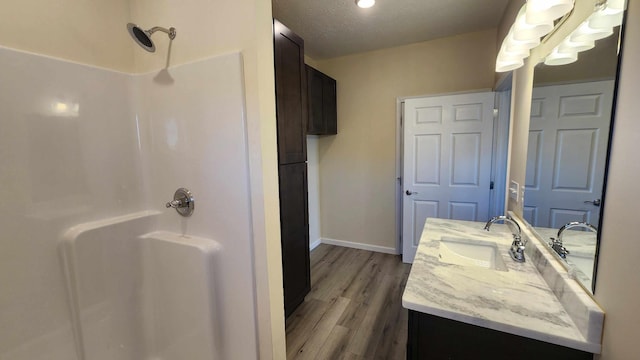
(507, 63)
(522, 30)
(605, 20)
(541, 11)
(365, 3)
(567, 45)
(558, 57)
(585, 32)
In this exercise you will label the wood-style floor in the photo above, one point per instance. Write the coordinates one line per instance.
(354, 309)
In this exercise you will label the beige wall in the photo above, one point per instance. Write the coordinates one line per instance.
(313, 178)
(210, 27)
(88, 32)
(357, 166)
(618, 281)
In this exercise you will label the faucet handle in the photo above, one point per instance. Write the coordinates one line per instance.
(558, 247)
(183, 202)
(517, 250)
(174, 204)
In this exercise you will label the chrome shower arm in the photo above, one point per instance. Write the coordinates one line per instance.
(171, 31)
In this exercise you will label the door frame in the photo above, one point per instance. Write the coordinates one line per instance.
(500, 143)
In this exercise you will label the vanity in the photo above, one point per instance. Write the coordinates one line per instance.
(467, 299)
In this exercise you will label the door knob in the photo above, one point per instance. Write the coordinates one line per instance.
(410, 192)
(595, 202)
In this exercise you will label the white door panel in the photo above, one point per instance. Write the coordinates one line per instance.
(421, 210)
(569, 124)
(447, 161)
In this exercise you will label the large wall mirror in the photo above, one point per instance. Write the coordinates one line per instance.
(569, 133)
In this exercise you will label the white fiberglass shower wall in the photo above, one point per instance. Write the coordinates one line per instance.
(88, 158)
(68, 155)
(84, 145)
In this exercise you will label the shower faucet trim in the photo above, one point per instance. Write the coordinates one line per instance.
(183, 202)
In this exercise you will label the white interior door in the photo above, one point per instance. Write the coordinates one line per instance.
(568, 137)
(446, 162)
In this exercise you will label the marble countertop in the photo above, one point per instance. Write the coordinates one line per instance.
(582, 248)
(517, 301)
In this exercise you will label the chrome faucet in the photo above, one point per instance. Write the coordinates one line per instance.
(575, 224)
(558, 246)
(517, 246)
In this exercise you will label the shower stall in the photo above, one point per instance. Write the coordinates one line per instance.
(93, 264)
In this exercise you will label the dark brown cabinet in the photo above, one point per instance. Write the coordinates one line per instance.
(294, 224)
(323, 110)
(432, 337)
(291, 113)
(291, 95)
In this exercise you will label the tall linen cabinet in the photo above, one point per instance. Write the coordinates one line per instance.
(292, 113)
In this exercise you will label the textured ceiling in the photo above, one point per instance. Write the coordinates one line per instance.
(332, 28)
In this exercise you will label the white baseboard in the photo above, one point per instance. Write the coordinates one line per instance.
(315, 244)
(349, 244)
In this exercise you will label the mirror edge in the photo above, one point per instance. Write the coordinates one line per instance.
(608, 156)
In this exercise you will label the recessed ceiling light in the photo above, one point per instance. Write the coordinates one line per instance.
(365, 3)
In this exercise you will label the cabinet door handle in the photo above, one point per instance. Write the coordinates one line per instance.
(411, 192)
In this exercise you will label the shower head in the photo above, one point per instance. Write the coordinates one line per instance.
(143, 37)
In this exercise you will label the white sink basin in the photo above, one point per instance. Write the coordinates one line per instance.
(477, 253)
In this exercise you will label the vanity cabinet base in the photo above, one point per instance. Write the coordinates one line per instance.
(434, 338)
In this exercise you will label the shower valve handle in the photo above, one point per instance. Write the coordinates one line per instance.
(183, 202)
(175, 204)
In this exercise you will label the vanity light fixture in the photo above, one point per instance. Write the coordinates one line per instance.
(534, 20)
(365, 3)
(598, 26)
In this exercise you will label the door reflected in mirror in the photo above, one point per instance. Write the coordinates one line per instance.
(569, 132)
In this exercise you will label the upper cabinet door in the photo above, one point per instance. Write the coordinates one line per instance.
(291, 95)
(322, 103)
(316, 119)
(329, 106)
